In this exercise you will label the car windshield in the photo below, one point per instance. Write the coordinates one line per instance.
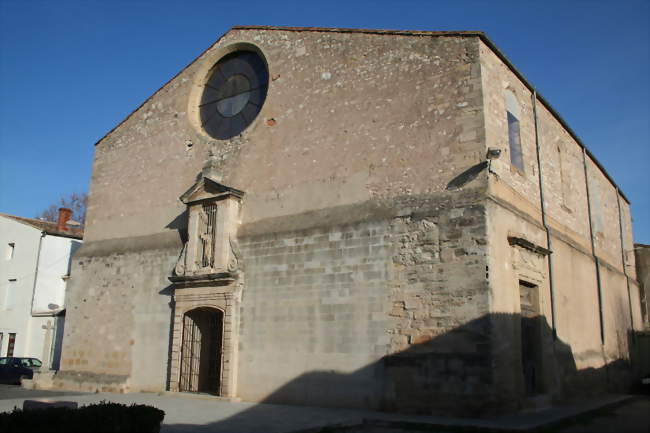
(36, 363)
(3, 361)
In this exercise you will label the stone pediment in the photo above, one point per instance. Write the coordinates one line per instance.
(206, 188)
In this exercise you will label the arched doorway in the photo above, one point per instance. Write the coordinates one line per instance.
(201, 351)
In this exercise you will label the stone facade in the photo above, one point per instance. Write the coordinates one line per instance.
(379, 256)
(642, 257)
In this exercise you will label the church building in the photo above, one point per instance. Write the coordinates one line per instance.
(391, 220)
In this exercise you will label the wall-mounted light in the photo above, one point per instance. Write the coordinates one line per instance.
(493, 153)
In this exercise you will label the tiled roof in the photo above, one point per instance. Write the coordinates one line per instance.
(48, 227)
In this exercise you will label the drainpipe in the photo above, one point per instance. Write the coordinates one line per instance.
(623, 259)
(38, 259)
(593, 250)
(549, 242)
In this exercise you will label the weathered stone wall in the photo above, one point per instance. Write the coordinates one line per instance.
(516, 211)
(376, 272)
(358, 125)
(642, 265)
(642, 262)
(440, 354)
(371, 313)
(118, 320)
(375, 260)
(565, 192)
(354, 115)
(628, 242)
(314, 313)
(604, 216)
(565, 189)
(507, 265)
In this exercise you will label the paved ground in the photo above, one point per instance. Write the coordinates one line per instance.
(631, 417)
(16, 392)
(190, 414)
(196, 414)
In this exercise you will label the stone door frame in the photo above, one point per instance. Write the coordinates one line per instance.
(219, 298)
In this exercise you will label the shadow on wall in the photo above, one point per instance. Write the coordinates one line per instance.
(499, 363)
(179, 223)
(642, 353)
(467, 176)
(169, 292)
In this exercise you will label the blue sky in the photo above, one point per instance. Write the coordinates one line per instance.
(71, 70)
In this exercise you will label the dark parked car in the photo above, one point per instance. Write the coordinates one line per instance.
(12, 370)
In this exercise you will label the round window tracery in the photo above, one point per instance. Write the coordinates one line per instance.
(234, 94)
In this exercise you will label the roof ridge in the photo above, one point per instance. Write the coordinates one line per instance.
(50, 227)
(371, 31)
(26, 218)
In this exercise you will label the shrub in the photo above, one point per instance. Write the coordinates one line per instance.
(103, 417)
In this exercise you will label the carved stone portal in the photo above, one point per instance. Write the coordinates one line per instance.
(211, 250)
(207, 289)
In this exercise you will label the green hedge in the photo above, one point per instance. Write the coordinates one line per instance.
(103, 417)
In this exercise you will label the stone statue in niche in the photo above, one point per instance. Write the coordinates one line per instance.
(207, 215)
(213, 213)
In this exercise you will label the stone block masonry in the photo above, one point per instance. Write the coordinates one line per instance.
(315, 299)
(321, 297)
(121, 312)
(359, 300)
(364, 258)
(438, 287)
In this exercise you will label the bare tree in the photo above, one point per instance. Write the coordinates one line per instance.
(76, 201)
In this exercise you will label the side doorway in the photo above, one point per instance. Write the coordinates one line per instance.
(531, 339)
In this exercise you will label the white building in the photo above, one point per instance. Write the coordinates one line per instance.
(35, 260)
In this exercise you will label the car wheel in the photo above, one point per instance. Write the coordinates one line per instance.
(20, 379)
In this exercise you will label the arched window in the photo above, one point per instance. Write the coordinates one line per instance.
(514, 135)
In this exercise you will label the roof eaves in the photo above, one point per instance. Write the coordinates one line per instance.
(550, 108)
(45, 226)
(37, 224)
(64, 235)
